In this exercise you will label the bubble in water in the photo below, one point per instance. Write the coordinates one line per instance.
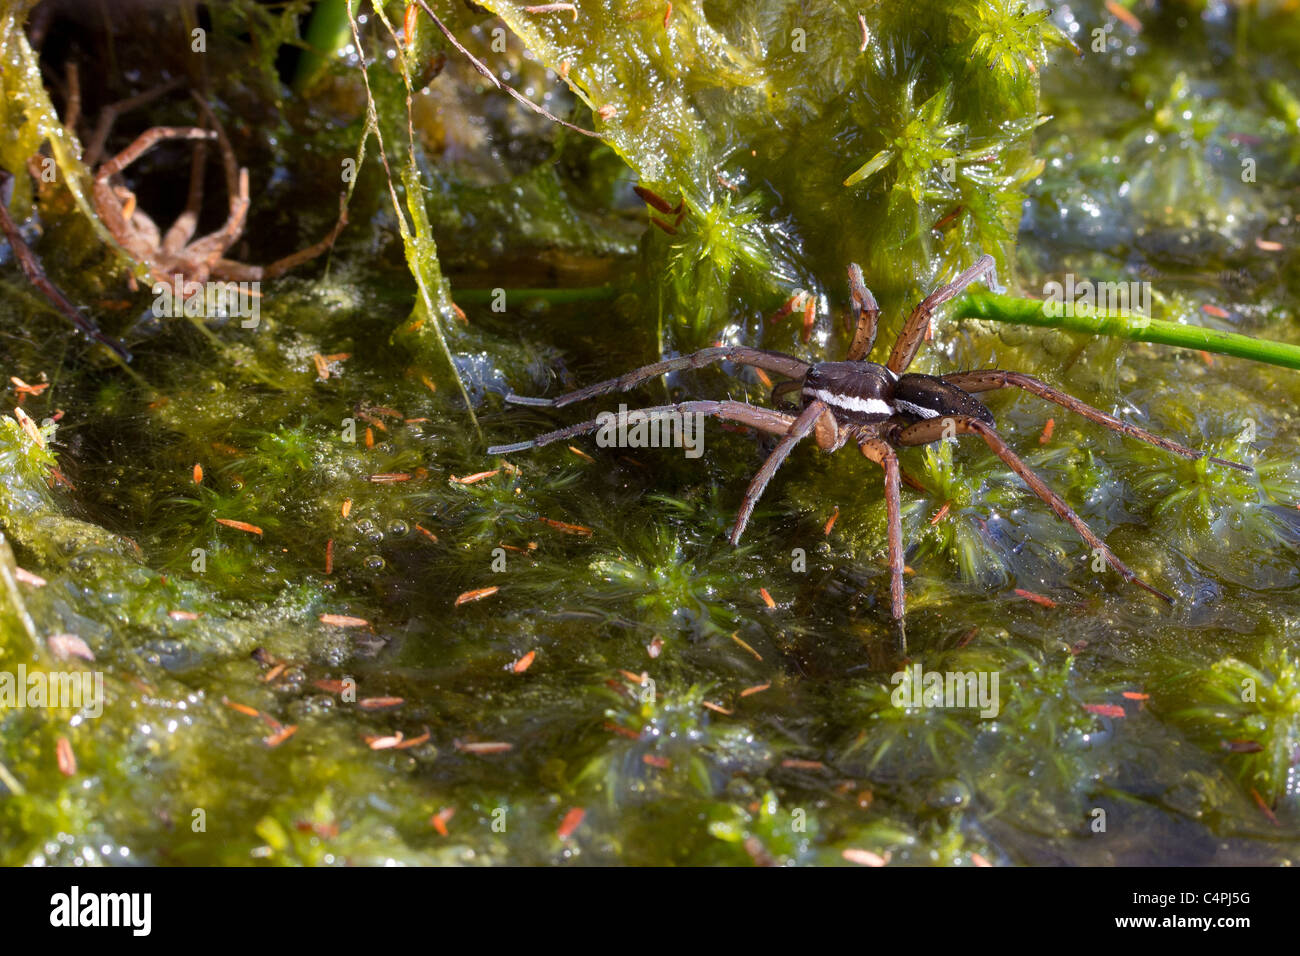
(374, 562)
(397, 528)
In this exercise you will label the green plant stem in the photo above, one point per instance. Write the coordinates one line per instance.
(327, 32)
(1127, 325)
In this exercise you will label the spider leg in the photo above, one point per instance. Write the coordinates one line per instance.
(777, 362)
(913, 334)
(229, 269)
(781, 388)
(932, 429)
(109, 205)
(182, 230)
(109, 114)
(764, 419)
(879, 451)
(987, 380)
(208, 250)
(795, 433)
(864, 305)
(143, 143)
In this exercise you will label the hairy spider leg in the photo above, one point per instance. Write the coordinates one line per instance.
(109, 114)
(987, 380)
(115, 217)
(242, 272)
(764, 419)
(933, 429)
(795, 433)
(182, 230)
(777, 362)
(879, 451)
(913, 334)
(864, 306)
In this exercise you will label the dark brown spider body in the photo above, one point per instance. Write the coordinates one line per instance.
(879, 408)
(865, 393)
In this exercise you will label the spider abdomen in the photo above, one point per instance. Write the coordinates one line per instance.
(924, 396)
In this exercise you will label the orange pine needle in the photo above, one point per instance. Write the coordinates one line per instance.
(1268, 812)
(767, 598)
(554, 8)
(940, 514)
(1046, 436)
(241, 708)
(67, 759)
(736, 637)
(342, 620)
(280, 736)
(524, 662)
(756, 689)
(864, 857)
(414, 741)
(239, 525)
(380, 703)
(329, 556)
(572, 820)
(567, 528)
(347, 507)
(1105, 710)
(440, 819)
(476, 477)
(835, 516)
(1124, 15)
(484, 747)
(26, 577)
(408, 24)
(794, 763)
(1036, 598)
(469, 597)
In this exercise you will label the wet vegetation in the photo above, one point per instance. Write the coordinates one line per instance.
(331, 629)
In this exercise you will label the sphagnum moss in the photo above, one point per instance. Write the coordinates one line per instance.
(754, 115)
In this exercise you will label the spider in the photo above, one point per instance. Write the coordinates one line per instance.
(177, 252)
(876, 407)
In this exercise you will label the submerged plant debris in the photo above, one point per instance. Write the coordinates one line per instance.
(330, 629)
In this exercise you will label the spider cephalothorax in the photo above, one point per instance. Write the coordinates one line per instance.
(877, 407)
